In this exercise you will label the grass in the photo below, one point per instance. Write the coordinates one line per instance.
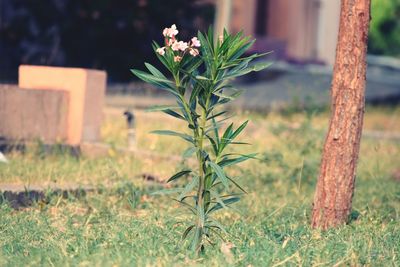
(123, 225)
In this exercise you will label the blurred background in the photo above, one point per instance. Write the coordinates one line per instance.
(79, 165)
(115, 36)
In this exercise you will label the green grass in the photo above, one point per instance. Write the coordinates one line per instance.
(123, 225)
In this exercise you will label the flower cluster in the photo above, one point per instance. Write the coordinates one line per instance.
(178, 46)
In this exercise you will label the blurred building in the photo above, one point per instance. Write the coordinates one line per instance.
(297, 30)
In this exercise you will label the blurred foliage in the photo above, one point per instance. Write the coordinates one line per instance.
(101, 34)
(385, 27)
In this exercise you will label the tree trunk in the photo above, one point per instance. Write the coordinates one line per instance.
(335, 186)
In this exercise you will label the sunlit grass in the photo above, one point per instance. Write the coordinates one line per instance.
(123, 225)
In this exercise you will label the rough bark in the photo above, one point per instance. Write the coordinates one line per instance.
(335, 186)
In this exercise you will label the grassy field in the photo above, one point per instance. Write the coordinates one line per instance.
(123, 225)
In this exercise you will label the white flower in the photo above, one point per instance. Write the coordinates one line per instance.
(195, 42)
(183, 46)
(165, 32)
(170, 32)
(177, 59)
(194, 52)
(176, 46)
(161, 51)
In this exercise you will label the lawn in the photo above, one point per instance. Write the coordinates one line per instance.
(122, 224)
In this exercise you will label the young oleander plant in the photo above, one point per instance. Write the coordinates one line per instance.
(202, 70)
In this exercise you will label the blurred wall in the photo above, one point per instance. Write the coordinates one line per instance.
(244, 16)
(296, 22)
(307, 28)
(328, 29)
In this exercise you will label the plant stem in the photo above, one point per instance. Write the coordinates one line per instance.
(201, 161)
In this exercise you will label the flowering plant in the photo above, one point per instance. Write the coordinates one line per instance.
(202, 70)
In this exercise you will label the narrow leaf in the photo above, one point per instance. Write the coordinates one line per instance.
(189, 187)
(154, 71)
(232, 161)
(160, 108)
(189, 152)
(173, 114)
(236, 184)
(187, 231)
(178, 175)
(239, 130)
(220, 173)
(226, 203)
(172, 133)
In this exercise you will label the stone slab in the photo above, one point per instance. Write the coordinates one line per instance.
(86, 90)
(33, 114)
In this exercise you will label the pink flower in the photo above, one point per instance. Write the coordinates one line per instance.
(195, 42)
(176, 46)
(170, 32)
(183, 46)
(161, 51)
(177, 59)
(194, 52)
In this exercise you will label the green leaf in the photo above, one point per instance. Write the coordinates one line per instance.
(192, 65)
(230, 97)
(172, 133)
(162, 59)
(151, 78)
(237, 185)
(178, 175)
(225, 139)
(216, 115)
(239, 130)
(227, 133)
(220, 173)
(242, 46)
(166, 109)
(227, 202)
(186, 205)
(199, 77)
(215, 128)
(213, 144)
(216, 224)
(196, 90)
(160, 108)
(217, 198)
(187, 231)
(173, 114)
(228, 162)
(160, 83)
(155, 71)
(210, 36)
(189, 187)
(206, 49)
(239, 143)
(189, 152)
(261, 66)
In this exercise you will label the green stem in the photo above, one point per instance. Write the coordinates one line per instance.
(201, 161)
(200, 156)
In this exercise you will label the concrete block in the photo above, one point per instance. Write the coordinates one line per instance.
(86, 90)
(33, 114)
